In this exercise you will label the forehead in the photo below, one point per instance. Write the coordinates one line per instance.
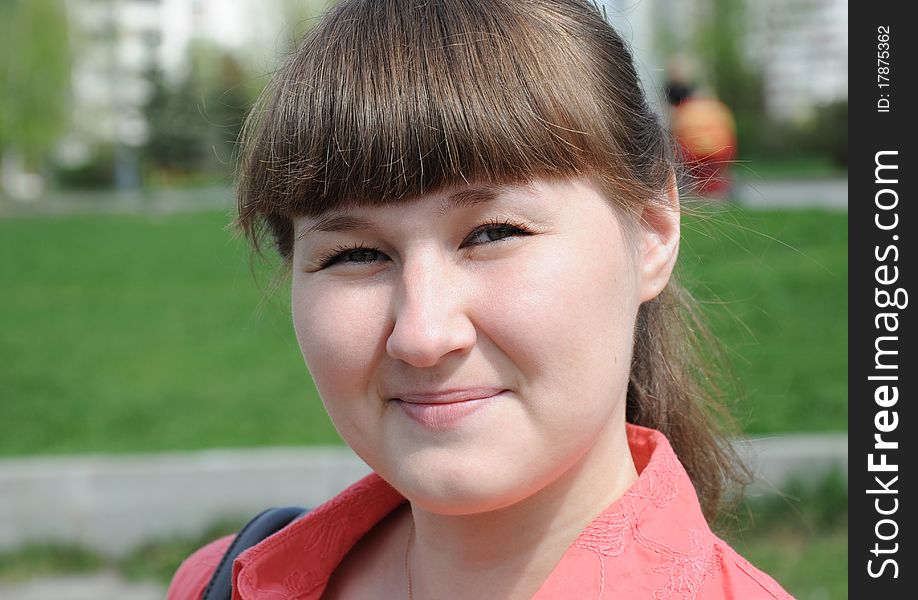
(445, 201)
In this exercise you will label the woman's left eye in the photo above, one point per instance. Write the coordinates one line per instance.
(494, 232)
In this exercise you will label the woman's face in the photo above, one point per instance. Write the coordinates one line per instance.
(474, 344)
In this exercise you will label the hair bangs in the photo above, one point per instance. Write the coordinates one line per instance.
(374, 108)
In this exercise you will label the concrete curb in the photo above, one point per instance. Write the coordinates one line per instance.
(776, 460)
(828, 194)
(98, 586)
(112, 504)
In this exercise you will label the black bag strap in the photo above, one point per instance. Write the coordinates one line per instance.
(264, 524)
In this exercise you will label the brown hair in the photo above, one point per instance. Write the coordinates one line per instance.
(387, 100)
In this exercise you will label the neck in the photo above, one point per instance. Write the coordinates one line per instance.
(508, 553)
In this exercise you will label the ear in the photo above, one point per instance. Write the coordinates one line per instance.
(659, 242)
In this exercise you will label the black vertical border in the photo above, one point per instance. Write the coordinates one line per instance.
(870, 132)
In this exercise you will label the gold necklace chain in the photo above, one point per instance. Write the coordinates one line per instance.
(407, 556)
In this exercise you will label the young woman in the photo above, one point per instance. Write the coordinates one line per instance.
(479, 213)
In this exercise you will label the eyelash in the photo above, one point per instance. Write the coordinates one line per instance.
(340, 252)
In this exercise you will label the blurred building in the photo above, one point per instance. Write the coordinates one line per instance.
(799, 46)
(802, 48)
(118, 44)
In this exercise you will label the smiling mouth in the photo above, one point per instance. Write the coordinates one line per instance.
(449, 396)
(444, 410)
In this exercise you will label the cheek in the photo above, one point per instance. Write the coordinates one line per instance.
(566, 323)
(564, 312)
(338, 333)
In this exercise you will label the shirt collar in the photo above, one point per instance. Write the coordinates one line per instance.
(660, 505)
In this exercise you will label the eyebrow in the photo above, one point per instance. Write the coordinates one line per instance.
(468, 197)
(333, 222)
(464, 198)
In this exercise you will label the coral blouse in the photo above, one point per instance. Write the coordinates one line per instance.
(653, 542)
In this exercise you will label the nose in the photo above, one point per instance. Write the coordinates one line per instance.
(431, 315)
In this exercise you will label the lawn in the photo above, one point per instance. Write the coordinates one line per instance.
(140, 333)
(799, 537)
(774, 288)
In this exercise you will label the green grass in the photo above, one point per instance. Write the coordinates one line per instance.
(141, 333)
(125, 333)
(807, 565)
(42, 560)
(155, 561)
(159, 559)
(799, 537)
(774, 287)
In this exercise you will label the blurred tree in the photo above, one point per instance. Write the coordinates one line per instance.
(176, 126)
(34, 79)
(300, 15)
(226, 99)
(721, 45)
(830, 131)
(736, 80)
(195, 121)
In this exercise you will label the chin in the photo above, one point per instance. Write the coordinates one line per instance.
(456, 491)
(459, 502)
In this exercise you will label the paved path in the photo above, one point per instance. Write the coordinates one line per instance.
(153, 202)
(830, 194)
(112, 504)
(99, 586)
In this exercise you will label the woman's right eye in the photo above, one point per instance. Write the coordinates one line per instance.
(354, 255)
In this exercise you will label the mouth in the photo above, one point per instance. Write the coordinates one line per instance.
(445, 409)
(449, 396)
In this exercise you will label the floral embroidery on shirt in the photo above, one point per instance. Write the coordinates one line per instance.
(657, 483)
(299, 583)
(606, 535)
(686, 570)
(657, 487)
(350, 509)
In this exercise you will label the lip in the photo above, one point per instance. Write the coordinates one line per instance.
(445, 409)
(448, 396)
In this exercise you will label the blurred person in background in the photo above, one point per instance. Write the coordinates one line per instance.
(704, 130)
(479, 214)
